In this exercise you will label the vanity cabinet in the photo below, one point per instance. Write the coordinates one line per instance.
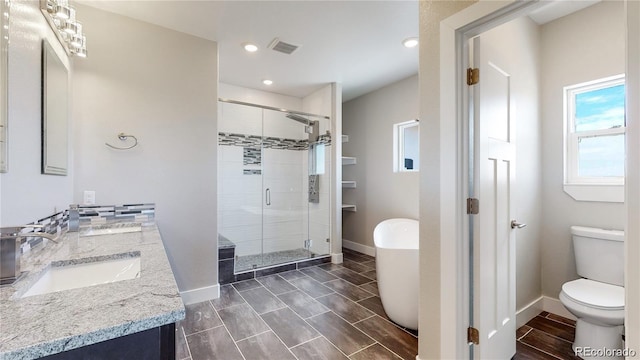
(157, 343)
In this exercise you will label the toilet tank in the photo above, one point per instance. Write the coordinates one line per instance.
(599, 254)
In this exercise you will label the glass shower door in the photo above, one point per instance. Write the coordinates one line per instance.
(285, 210)
(319, 186)
(274, 184)
(240, 190)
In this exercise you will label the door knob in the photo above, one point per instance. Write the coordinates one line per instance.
(516, 224)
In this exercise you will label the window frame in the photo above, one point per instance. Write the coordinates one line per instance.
(398, 145)
(588, 188)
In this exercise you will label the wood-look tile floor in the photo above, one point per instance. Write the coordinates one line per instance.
(547, 336)
(326, 312)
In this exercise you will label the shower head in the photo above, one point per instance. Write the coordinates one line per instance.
(298, 118)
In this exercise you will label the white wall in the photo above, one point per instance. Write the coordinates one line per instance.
(318, 102)
(380, 193)
(583, 46)
(161, 86)
(27, 195)
(259, 97)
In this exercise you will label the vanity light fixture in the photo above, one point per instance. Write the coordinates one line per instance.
(410, 42)
(249, 47)
(267, 82)
(62, 19)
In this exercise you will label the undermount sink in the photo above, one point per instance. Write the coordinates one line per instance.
(109, 229)
(89, 272)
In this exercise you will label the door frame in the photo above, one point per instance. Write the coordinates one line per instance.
(454, 158)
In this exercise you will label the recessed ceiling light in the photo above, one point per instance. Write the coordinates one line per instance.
(267, 82)
(410, 42)
(250, 47)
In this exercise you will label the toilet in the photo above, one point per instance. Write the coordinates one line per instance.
(597, 299)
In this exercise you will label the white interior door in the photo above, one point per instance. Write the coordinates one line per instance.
(494, 172)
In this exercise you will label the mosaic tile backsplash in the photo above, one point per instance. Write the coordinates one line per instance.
(88, 214)
(126, 212)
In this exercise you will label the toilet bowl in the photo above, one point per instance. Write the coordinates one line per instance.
(597, 299)
(599, 308)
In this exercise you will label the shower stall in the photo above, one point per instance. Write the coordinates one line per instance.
(274, 176)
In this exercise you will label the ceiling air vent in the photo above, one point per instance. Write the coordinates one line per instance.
(282, 46)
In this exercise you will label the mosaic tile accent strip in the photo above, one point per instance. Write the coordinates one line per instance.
(51, 224)
(103, 213)
(251, 155)
(231, 139)
(324, 139)
(239, 139)
(59, 221)
(251, 172)
(284, 144)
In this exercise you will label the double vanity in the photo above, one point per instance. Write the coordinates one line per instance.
(106, 290)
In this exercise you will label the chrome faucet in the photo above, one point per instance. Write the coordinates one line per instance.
(10, 240)
(74, 218)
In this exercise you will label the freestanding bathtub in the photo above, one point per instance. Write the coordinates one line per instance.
(396, 242)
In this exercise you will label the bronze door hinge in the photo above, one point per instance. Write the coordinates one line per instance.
(473, 336)
(473, 76)
(473, 206)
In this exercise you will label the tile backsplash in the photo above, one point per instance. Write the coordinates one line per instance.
(126, 212)
(90, 214)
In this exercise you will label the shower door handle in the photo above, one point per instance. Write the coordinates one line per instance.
(267, 196)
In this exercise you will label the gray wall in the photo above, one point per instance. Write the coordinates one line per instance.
(26, 195)
(161, 86)
(584, 46)
(380, 193)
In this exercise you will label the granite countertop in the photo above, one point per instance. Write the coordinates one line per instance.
(35, 326)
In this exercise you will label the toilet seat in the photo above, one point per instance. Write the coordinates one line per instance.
(594, 294)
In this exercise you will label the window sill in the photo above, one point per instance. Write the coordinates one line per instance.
(593, 192)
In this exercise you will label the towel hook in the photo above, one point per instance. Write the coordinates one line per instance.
(124, 137)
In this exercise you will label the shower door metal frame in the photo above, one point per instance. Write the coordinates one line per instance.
(273, 108)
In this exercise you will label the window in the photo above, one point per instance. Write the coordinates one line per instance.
(406, 146)
(595, 140)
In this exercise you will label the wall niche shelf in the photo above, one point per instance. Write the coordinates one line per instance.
(347, 207)
(348, 160)
(349, 184)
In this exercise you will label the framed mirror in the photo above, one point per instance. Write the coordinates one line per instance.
(4, 59)
(55, 112)
(406, 146)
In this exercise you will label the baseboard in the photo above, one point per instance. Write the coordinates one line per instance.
(337, 258)
(352, 245)
(200, 294)
(528, 312)
(554, 306)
